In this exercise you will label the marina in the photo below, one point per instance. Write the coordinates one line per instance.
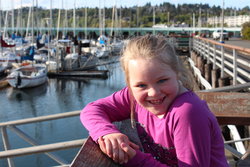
(61, 96)
(53, 67)
(57, 96)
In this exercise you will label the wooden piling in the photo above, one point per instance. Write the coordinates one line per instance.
(194, 57)
(225, 81)
(200, 64)
(208, 72)
(215, 76)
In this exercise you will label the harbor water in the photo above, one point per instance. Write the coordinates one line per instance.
(57, 96)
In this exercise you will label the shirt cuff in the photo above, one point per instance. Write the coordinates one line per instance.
(136, 160)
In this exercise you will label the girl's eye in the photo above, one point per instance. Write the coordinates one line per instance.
(162, 80)
(141, 86)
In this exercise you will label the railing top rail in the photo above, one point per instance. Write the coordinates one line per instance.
(41, 118)
(238, 48)
(42, 148)
(228, 88)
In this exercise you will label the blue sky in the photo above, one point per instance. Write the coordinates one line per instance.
(7, 4)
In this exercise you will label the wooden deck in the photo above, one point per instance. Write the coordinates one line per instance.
(229, 108)
(90, 73)
(91, 156)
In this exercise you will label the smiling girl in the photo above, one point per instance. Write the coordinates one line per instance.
(175, 127)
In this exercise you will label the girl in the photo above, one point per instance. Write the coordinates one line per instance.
(175, 127)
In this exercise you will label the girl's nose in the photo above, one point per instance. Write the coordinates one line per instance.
(153, 91)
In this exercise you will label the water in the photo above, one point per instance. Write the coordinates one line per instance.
(57, 96)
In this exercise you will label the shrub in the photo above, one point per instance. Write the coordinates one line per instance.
(245, 31)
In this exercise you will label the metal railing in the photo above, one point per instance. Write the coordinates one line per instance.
(36, 146)
(233, 61)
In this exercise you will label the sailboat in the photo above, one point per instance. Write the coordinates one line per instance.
(82, 59)
(102, 50)
(28, 76)
(3, 67)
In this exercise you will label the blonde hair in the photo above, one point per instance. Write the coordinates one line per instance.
(153, 47)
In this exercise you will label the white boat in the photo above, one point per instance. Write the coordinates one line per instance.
(10, 57)
(28, 76)
(41, 55)
(102, 52)
(3, 67)
(73, 61)
(117, 46)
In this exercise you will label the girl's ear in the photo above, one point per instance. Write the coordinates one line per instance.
(178, 76)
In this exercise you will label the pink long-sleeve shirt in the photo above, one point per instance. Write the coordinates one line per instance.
(188, 135)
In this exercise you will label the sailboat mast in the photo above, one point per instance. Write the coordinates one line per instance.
(86, 20)
(21, 17)
(5, 23)
(103, 24)
(74, 18)
(113, 17)
(154, 19)
(58, 23)
(50, 22)
(32, 30)
(0, 17)
(100, 18)
(12, 16)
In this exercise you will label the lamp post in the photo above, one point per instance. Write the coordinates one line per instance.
(222, 23)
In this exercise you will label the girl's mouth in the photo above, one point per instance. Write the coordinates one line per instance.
(156, 102)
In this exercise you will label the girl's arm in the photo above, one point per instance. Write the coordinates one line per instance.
(97, 117)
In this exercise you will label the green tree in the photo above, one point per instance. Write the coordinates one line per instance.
(246, 31)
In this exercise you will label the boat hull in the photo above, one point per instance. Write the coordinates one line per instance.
(29, 76)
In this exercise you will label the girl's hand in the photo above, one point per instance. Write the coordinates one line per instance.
(111, 145)
(129, 150)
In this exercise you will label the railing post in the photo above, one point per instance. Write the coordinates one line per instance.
(222, 62)
(203, 52)
(235, 67)
(6, 145)
(196, 44)
(208, 52)
(33, 142)
(214, 71)
(214, 57)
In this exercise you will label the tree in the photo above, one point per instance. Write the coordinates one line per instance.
(246, 31)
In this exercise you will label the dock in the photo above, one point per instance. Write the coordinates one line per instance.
(3, 83)
(89, 73)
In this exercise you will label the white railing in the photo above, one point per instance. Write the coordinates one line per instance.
(233, 61)
(36, 146)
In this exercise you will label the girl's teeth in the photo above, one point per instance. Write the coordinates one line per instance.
(155, 101)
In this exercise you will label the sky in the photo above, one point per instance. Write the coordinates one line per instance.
(69, 4)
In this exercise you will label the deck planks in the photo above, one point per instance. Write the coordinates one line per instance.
(90, 155)
(228, 107)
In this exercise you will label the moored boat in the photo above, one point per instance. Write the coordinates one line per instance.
(28, 76)
(10, 57)
(3, 68)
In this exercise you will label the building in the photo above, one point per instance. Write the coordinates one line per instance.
(231, 21)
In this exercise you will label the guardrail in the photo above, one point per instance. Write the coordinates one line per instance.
(233, 61)
(36, 148)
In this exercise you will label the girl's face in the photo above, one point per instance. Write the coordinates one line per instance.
(154, 85)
